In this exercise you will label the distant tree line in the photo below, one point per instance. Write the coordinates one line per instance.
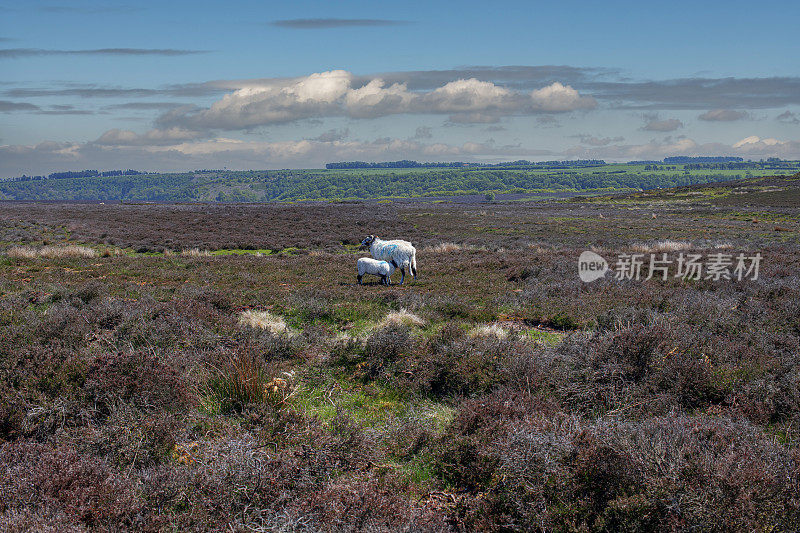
(346, 165)
(299, 185)
(79, 174)
(682, 159)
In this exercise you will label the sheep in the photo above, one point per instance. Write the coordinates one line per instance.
(384, 269)
(402, 253)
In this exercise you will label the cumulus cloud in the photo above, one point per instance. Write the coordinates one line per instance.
(557, 97)
(723, 115)
(340, 93)
(787, 117)
(653, 123)
(604, 84)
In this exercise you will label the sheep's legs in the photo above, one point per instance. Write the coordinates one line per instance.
(402, 275)
(359, 280)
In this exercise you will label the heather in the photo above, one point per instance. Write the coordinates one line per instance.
(151, 391)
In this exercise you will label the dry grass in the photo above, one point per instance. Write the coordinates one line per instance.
(195, 252)
(402, 316)
(489, 330)
(265, 320)
(662, 246)
(446, 247)
(51, 252)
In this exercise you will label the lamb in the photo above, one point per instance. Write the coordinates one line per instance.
(402, 253)
(384, 269)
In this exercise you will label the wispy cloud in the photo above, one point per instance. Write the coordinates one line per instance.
(787, 117)
(9, 107)
(698, 93)
(328, 23)
(145, 106)
(593, 140)
(723, 115)
(25, 107)
(15, 53)
(653, 123)
(89, 10)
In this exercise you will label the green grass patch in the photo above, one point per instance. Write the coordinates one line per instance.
(373, 405)
(543, 336)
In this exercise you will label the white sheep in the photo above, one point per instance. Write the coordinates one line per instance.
(402, 253)
(384, 269)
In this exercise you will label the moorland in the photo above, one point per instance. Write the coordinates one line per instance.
(215, 366)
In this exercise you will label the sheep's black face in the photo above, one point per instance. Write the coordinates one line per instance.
(366, 243)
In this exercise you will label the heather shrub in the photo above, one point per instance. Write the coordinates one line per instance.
(384, 347)
(464, 456)
(139, 378)
(130, 437)
(84, 491)
(274, 345)
(369, 502)
(464, 366)
(561, 473)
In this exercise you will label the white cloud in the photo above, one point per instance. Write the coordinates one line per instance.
(754, 142)
(339, 93)
(558, 98)
(374, 100)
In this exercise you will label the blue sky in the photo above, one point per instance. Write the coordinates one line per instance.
(182, 85)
